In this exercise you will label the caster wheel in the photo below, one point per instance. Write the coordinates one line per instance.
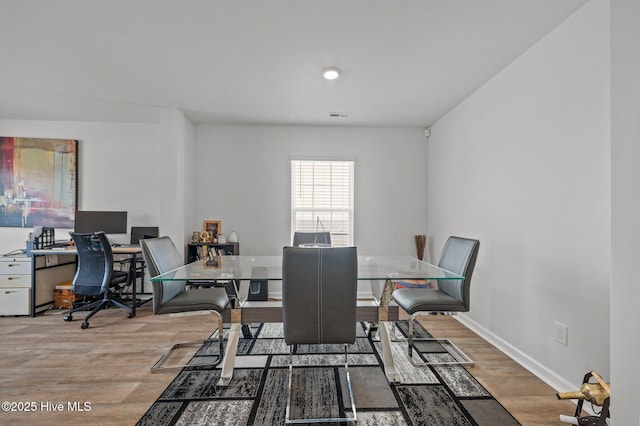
(129, 315)
(84, 325)
(68, 318)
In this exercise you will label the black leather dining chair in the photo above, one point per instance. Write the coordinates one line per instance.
(95, 276)
(458, 256)
(176, 297)
(319, 239)
(137, 270)
(319, 297)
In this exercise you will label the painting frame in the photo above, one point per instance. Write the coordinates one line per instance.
(214, 227)
(38, 182)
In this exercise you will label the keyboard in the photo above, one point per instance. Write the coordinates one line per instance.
(59, 244)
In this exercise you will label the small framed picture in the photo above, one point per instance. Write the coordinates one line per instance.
(214, 227)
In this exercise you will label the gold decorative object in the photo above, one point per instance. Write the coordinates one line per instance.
(598, 393)
(206, 237)
(595, 393)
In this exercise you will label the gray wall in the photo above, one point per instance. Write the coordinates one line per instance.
(625, 209)
(143, 168)
(523, 165)
(244, 181)
(114, 168)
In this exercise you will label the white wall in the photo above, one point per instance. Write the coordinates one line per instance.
(523, 165)
(114, 170)
(142, 168)
(243, 180)
(625, 210)
(237, 174)
(175, 151)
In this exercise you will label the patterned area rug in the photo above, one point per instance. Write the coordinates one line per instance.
(257, 394)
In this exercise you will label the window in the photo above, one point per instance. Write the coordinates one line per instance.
(322, 199)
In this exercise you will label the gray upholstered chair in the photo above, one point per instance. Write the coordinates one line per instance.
(458, 256)
(320, 239)
(319, 296)
(173, 297)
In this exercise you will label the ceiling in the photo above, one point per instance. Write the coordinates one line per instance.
(404, 63)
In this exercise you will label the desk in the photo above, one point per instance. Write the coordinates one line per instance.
(381, 272)
(68, 256)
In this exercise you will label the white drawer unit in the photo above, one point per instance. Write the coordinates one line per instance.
(15, 285)
(14, 301)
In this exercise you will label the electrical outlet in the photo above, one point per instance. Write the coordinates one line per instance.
(561, 333)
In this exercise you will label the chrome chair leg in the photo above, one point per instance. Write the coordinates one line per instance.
(289, 420)
(349, 387)
(158, 366)
(459, 357)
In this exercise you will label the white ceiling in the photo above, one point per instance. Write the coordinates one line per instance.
(405, 62)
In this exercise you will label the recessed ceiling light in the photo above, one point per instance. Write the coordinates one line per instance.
(331, 73)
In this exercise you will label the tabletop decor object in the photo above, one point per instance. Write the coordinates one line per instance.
(421, 242)
(213, 227)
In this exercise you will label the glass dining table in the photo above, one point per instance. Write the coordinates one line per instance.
(377, 278)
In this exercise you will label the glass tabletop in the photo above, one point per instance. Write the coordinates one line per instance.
(270, 268)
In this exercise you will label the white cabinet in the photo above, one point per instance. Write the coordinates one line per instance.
(15, 285)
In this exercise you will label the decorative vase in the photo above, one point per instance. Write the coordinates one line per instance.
(421, 242)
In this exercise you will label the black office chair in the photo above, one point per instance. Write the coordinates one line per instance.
(310, 239)
(143, 232)
(452, 296)
(95, 276)
(174, 297)
(319, 296)
(140, 233)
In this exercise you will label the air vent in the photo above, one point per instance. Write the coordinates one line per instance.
(339, 114)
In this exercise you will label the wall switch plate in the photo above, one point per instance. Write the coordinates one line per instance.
(561, 333)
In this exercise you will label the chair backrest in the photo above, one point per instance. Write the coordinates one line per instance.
(161, 255)
(459, 256)
(95, 263)
(320, 238)
(319, 294)
(143, 232)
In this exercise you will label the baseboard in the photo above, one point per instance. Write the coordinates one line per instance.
(560, 384)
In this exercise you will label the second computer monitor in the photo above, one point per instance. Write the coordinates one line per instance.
(95, 221)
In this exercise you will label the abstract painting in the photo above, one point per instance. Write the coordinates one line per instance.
(38, 182)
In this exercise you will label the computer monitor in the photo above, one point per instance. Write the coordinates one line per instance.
(95, 221)
(141, 232)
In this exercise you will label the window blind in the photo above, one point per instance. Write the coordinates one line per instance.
(322, 198)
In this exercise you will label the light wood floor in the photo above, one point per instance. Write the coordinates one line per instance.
(45, 359)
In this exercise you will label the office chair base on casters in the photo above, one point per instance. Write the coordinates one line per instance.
(84, 324)
(95, 307)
